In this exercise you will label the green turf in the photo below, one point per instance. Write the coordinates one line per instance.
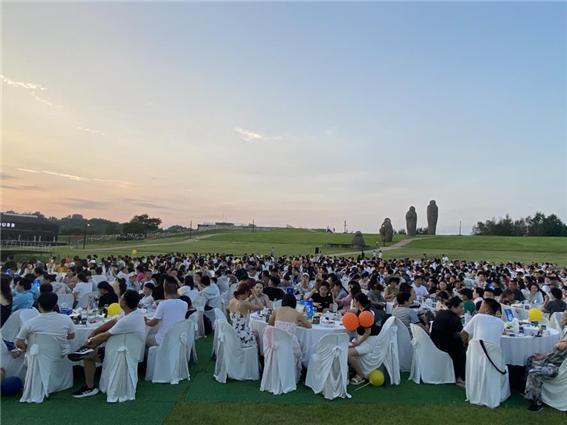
(302, 241)
(204, 401)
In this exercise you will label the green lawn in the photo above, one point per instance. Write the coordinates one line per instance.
(301, 241)
(491, 248)
(204, 401)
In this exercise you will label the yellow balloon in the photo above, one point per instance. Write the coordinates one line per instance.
(535, 315)
(134, 251)
(376, 378)
(114, 309)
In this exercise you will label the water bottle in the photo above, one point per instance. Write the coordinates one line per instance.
(309, 309)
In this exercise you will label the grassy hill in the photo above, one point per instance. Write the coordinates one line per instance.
(301, 241)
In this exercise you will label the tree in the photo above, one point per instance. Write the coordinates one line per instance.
(141, 224)
(538, 225)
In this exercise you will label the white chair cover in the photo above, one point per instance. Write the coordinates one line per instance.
(169, 362)
(83, 301)
(66, 300)
(280, 372)
(119, 376)
(48, 370)
(405, 349)
(233, 361)
(486, 386)
(429, 364)
(219, 317)
(327, 372)
(12, 366)
(385, 353)
(192, 332)
(199, 304)
(14, 323)
(554, 391)
(555, 321)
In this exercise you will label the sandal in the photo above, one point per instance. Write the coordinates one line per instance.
(357, 380)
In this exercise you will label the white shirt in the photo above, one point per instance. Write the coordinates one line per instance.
(146, 301)
(169, 312)
(486, 327)
(420, 291)
(211, 291)
(53, 324)
(96, 279)
(130, 323)
(83, 288)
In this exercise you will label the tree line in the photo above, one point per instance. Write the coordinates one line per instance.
(75, 224)
(538, 225)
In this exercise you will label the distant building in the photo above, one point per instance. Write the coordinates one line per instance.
(216, 226)
(27, 228)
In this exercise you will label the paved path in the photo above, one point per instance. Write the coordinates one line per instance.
(393, 247)
(143, 245)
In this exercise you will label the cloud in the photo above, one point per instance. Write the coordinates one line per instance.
(27, 170)
(21, 187)
(145, 204)
(89, 130)
(66, 176)
(87, 204)
(21, 84)
(75, 178)
(31, 87)
(252, 137)
(4, 176)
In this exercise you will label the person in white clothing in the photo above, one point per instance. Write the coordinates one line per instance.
(48, 322)
(92, 353)
(207, 289)
(485, 326)
(419, 288)
(82, 287)
(148, 299)
(97, 278)
(169, 311)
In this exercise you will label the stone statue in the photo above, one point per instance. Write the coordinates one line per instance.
(387, 231)
(358, 240)
(411, 221)
(432, 215)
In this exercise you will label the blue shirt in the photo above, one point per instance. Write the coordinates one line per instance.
(21, 300)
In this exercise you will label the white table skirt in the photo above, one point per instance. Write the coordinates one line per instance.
(307, 338)
(517, 349)
(82, 333)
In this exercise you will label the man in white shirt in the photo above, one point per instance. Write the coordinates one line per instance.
(485, 325)
(209, 290)
(82, 287)
(420, 288)
(48, 322)
(131, 323)
(98, 277)
(169, 311)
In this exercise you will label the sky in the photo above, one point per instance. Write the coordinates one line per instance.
(301, 114)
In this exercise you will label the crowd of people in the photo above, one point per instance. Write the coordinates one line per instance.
(170, 284)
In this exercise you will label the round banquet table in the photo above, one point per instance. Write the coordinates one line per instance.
(307, 338)
(517, 349)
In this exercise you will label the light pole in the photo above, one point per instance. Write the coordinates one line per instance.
(85, 235)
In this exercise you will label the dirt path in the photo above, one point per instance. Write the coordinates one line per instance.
(393, 247)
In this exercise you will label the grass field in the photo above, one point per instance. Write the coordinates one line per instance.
(301, 241)
(204, 401)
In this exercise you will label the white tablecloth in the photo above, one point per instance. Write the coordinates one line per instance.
(82, 333)
(517, 349)
(307, 338)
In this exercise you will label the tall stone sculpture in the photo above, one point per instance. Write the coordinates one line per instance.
(358, 240)
(432, 215)
(387, 231)
(411, 221)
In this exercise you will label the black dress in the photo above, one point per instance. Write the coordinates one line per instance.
(446, 335)
(5, 311)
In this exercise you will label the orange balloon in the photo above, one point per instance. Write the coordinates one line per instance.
(366, 319)
(350, 321)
